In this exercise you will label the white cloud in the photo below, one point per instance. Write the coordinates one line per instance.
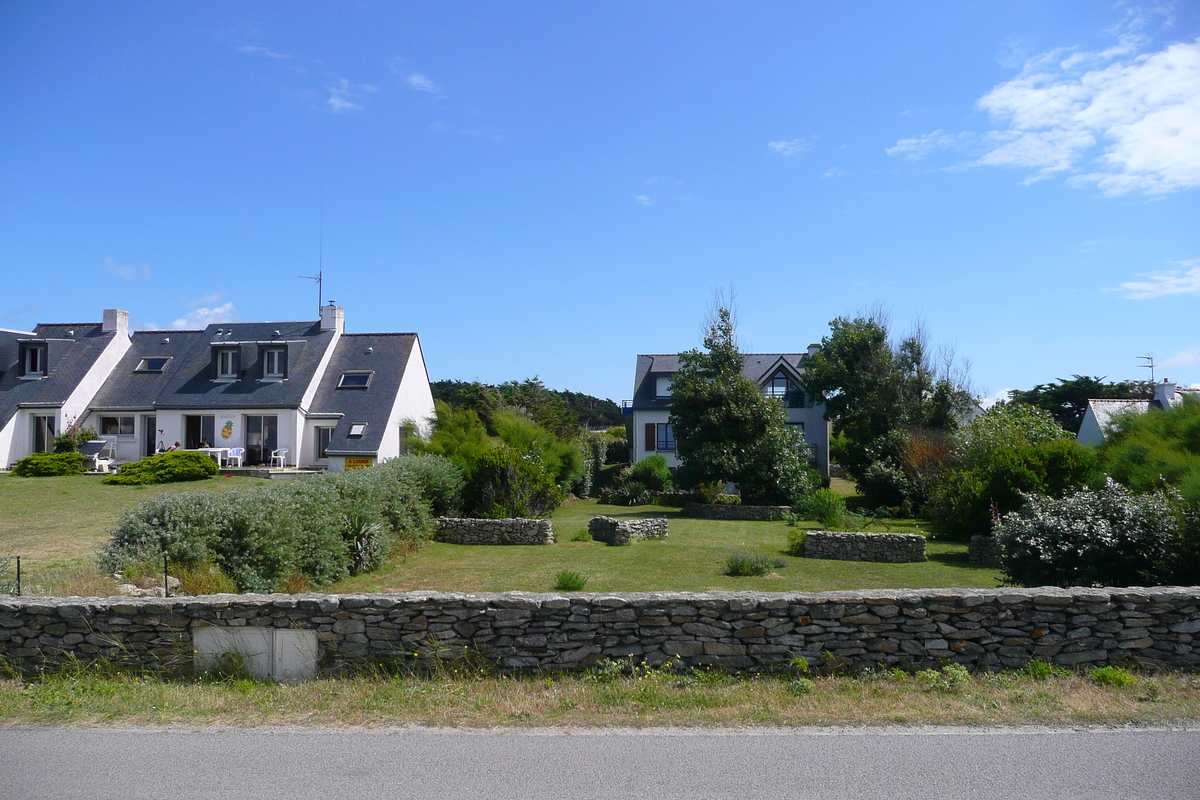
(643, 200)
(126, 271)
(347, 96)
(203, 317)
(834, 172)
(996, 397)
(1122, 121)
(422, 83)
(1184, 358)
(918, 147)
(788, 149)
(255, 50)
(1167, 282)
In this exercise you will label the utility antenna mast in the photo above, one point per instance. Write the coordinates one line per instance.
(319, 277)
(1149, 359)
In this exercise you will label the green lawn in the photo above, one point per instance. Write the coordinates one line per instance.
(63, 520)
(692, 558)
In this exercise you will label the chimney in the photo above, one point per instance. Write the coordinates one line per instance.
(1164, 393)
(333, 318)
(116, 320)
(813, 349)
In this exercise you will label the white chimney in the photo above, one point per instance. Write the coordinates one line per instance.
(116, 320)
(813, 349)
(333, 318)
(1164, 393)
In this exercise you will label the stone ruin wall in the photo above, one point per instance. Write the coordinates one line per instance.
(888, 548)
(455, 530)
(611, 530)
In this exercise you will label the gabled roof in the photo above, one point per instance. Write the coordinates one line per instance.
(386, 356)
(758, 367)
(191, 385)
(72, 349)
(1106, 410)
(128, 389)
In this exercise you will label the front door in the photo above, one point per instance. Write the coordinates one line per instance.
(261, 438)
(43, 434)
(150, 442)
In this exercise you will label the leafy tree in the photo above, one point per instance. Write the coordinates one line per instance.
(1067, 399)
(1156, 449)
(727, 430)
(873, 388)
(565, 413)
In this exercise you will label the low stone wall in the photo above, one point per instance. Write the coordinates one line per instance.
(738, 512)
(457, 530)
(889, 548)
(982, 550)
(611, 530)
(981, 628)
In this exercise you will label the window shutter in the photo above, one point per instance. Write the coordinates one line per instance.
(283, 362)
(237, 362)
(213, 370)
(651, 437)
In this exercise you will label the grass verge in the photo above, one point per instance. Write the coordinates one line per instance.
(646, 698)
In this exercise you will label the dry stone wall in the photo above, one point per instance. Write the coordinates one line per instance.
(737, 512)
(982, 550)
(611, 530)
(457, 530)
(983, 629)
(889, 548)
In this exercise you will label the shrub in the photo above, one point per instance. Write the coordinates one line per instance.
(46, 465)
(824, 506)
(801, 686)
(745, 564)
(949, 679)
(652, 473)
(1161, 447)
(568, 581)
(165, 468)
(1112, 676)
(506, 485)
(440, 480)
(1105, 537)
(885, 484)
(70, 439)
(796, 540)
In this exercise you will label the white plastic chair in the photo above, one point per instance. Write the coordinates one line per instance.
(237, 453)
(279, 455)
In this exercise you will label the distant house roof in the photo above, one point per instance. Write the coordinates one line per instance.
(758, 367)
(71, 350)
(1101, 414)
(383, 357)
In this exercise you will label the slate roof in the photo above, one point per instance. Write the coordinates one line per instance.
(388, 359)
(72, 349)
(129, 390)
(190, 382)
(1107, 410)
(757, 367)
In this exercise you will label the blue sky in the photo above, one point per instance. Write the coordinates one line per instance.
(550, 189)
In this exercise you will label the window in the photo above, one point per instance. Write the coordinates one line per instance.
(355, 380)
(227, 364)
(152, 364)
(34, 362)
(785, 390)
(198, 429)
(358, 428)
(116, 426)
(662, 387)
(666, 437)
(324, 436)
(273, 362)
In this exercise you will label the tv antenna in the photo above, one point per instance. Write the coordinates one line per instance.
(320, 276)
(1149, 359)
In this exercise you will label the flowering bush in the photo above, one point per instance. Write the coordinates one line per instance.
(1093, 537)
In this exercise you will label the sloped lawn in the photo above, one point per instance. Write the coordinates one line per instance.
(692, 558)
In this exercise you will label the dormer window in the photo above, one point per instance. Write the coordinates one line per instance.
(34, 362)
(662, 388)
(274, 363)
(785, 390)
(359, 379)
(357, 429)
(225, 361)
(152, 364)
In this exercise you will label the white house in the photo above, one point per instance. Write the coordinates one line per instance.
(301, 394)
(1100, 414)
(778, 375)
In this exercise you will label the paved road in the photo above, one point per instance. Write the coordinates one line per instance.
(180, 764)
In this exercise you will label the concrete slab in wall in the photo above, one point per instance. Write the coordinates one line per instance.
(267, 653)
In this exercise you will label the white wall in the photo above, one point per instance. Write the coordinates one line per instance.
(76, 405)
(637, 448)
(414, 401)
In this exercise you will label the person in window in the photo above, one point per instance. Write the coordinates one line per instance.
(173, 447)
(204, 443)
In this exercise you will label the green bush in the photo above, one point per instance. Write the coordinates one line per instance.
(568, 581)
(440, 480)
(796, 539)
(1157, 449)
(652, 473)
(321, 528)
(504, 484)
(1105, 537)
(165, 468)
(1113, 676)
(824, 506)
(75, 435)
(46, 465)
(745, 564)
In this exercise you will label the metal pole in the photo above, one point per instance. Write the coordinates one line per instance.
(166, 588)
(18, 576)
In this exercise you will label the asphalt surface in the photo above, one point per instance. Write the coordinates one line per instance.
(185, 763)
